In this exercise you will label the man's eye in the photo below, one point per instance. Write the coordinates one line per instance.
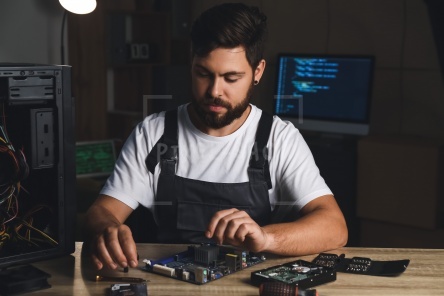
(230, 80)
(202, 74)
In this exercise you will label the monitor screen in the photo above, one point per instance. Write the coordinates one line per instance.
(325, 93)
(95, 159)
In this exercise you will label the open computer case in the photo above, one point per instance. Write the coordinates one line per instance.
(37, 167)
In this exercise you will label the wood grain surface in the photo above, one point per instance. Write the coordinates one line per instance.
(74, 275)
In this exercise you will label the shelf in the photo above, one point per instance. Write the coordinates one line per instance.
(112, 68)
(134, 38)
(136, 65)
(128, 5)
(126, 113)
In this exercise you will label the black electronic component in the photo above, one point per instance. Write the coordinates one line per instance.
(123, 289)
(282, 289)
(299, 273)
(22, 279)
(361, 265)
(204, 263)
(232, 262)
(206, 254)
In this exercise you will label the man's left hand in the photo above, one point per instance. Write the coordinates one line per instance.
(237, 228)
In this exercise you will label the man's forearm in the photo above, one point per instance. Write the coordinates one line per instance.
(104, 213)
(314, 233)
(98, 219)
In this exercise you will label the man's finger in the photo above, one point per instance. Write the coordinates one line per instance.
(97, 263)
(215, 220)
(224, 222)
(129, 248)
(103, 254)
(233, 226)
(116, 240)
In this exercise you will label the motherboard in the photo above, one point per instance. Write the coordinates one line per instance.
(201, 264)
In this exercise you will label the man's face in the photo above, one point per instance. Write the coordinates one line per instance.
(221, 85)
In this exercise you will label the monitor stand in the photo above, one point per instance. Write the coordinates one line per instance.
(22, 279)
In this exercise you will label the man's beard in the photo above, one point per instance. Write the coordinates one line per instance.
(216, 121)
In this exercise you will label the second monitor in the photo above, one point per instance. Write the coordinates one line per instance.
(325, 93)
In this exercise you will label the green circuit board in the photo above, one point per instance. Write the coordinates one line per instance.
(301, 273)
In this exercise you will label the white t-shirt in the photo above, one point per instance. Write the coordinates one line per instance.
(295, 177)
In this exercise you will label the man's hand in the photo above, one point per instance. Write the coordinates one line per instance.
(237, 228)
(115, 247)
(110, 241)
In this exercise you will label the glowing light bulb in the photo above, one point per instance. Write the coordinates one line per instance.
(79, 6)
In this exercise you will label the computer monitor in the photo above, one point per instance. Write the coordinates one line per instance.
(95, 158)
(325, 93)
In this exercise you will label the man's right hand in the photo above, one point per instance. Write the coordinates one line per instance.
(110, 241)
(115, 247)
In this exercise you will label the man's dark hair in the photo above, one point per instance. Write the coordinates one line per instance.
(230, 25)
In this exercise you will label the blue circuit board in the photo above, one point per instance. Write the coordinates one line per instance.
(201, 264)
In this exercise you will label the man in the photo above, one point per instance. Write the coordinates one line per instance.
(218, 169)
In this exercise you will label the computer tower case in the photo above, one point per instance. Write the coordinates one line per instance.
(37, 163)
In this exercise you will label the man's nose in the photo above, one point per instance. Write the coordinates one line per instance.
(215, 88)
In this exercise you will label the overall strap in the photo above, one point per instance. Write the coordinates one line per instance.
(259, 153)
(166, 147)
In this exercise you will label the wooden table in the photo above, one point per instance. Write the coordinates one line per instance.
(74, 275)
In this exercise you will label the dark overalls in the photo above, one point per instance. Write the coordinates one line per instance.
(184, 207)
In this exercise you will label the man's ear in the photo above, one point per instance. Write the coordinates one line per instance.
(259, 70)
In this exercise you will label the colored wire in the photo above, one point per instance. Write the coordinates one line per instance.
(27, 221)
(12, 190)
(22, 228)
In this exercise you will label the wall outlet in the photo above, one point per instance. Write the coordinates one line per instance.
(42, 124)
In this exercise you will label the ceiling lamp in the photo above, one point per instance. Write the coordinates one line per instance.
(79, 6)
